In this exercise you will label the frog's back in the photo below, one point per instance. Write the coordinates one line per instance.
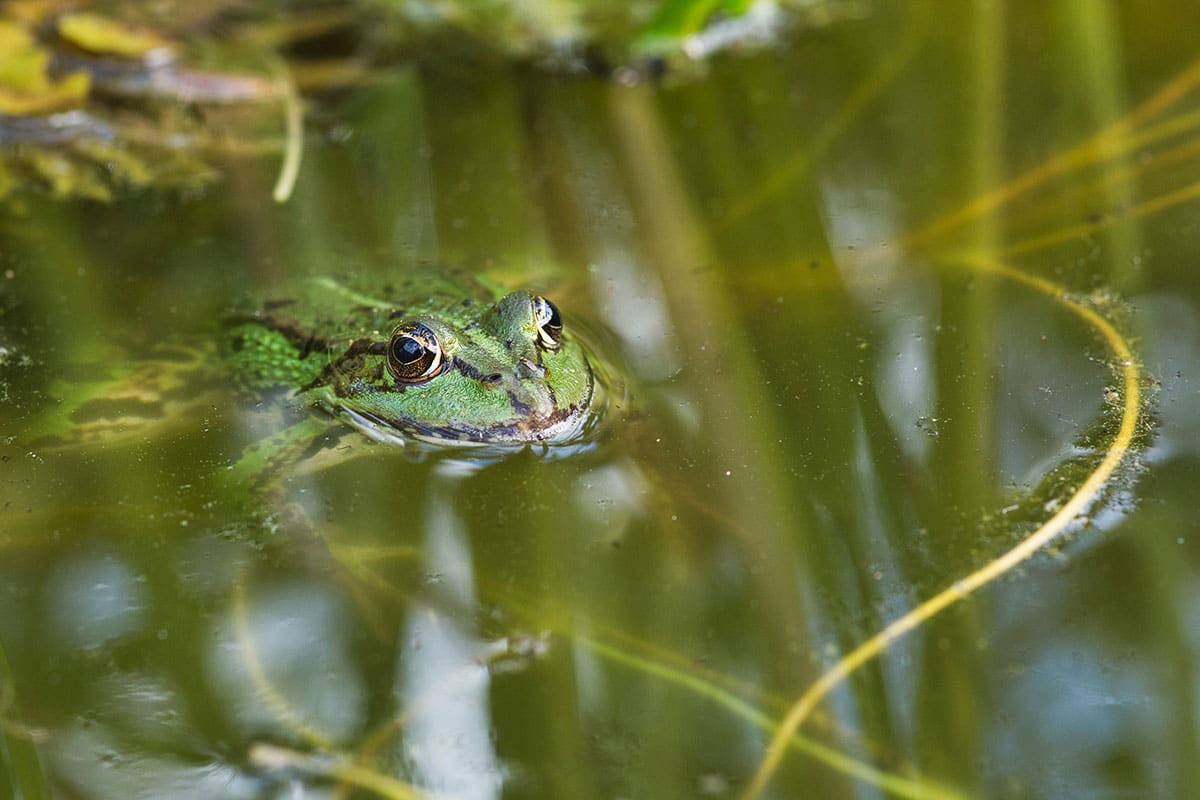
(287, 341)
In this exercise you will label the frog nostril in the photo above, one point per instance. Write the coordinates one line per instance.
(533, 369)
(494, 378)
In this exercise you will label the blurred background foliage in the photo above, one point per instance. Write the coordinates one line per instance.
(97, 94)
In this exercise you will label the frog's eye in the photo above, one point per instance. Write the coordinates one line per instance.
(414, 354)
(549, 323)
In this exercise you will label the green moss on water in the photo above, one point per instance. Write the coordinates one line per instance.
(1029, 508)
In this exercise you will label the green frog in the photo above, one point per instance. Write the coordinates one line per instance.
(443, 362)
(430, 361)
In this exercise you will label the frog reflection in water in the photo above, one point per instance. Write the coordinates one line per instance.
(443, 362)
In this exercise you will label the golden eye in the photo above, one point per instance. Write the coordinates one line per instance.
(549, 323)
(414, 355)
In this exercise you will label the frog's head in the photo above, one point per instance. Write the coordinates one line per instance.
(511, 374)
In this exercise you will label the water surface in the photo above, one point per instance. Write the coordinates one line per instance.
(806, 261)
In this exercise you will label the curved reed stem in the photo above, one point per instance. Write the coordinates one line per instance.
(1078, 503)
(294, 143)
(268, 693)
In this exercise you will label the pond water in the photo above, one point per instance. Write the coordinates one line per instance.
(868, 289)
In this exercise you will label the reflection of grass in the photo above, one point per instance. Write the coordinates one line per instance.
(1067, 516)
(660, 663)
(1075, 232)
(1115, 140)
(688, 680)
(851, 109)
(18, 753)
(1105, 182)
(270, 695)
(1118, 140)
(271, 757)
(370, 570)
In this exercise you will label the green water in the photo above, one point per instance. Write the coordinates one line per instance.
(835, 413)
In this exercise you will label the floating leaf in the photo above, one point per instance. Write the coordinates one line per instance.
(13, 37)
(70, 92)
(25, 85)
(104, 36)
(24, 69)
(679, 18)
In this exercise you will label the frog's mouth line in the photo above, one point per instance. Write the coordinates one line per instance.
(562, 426)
